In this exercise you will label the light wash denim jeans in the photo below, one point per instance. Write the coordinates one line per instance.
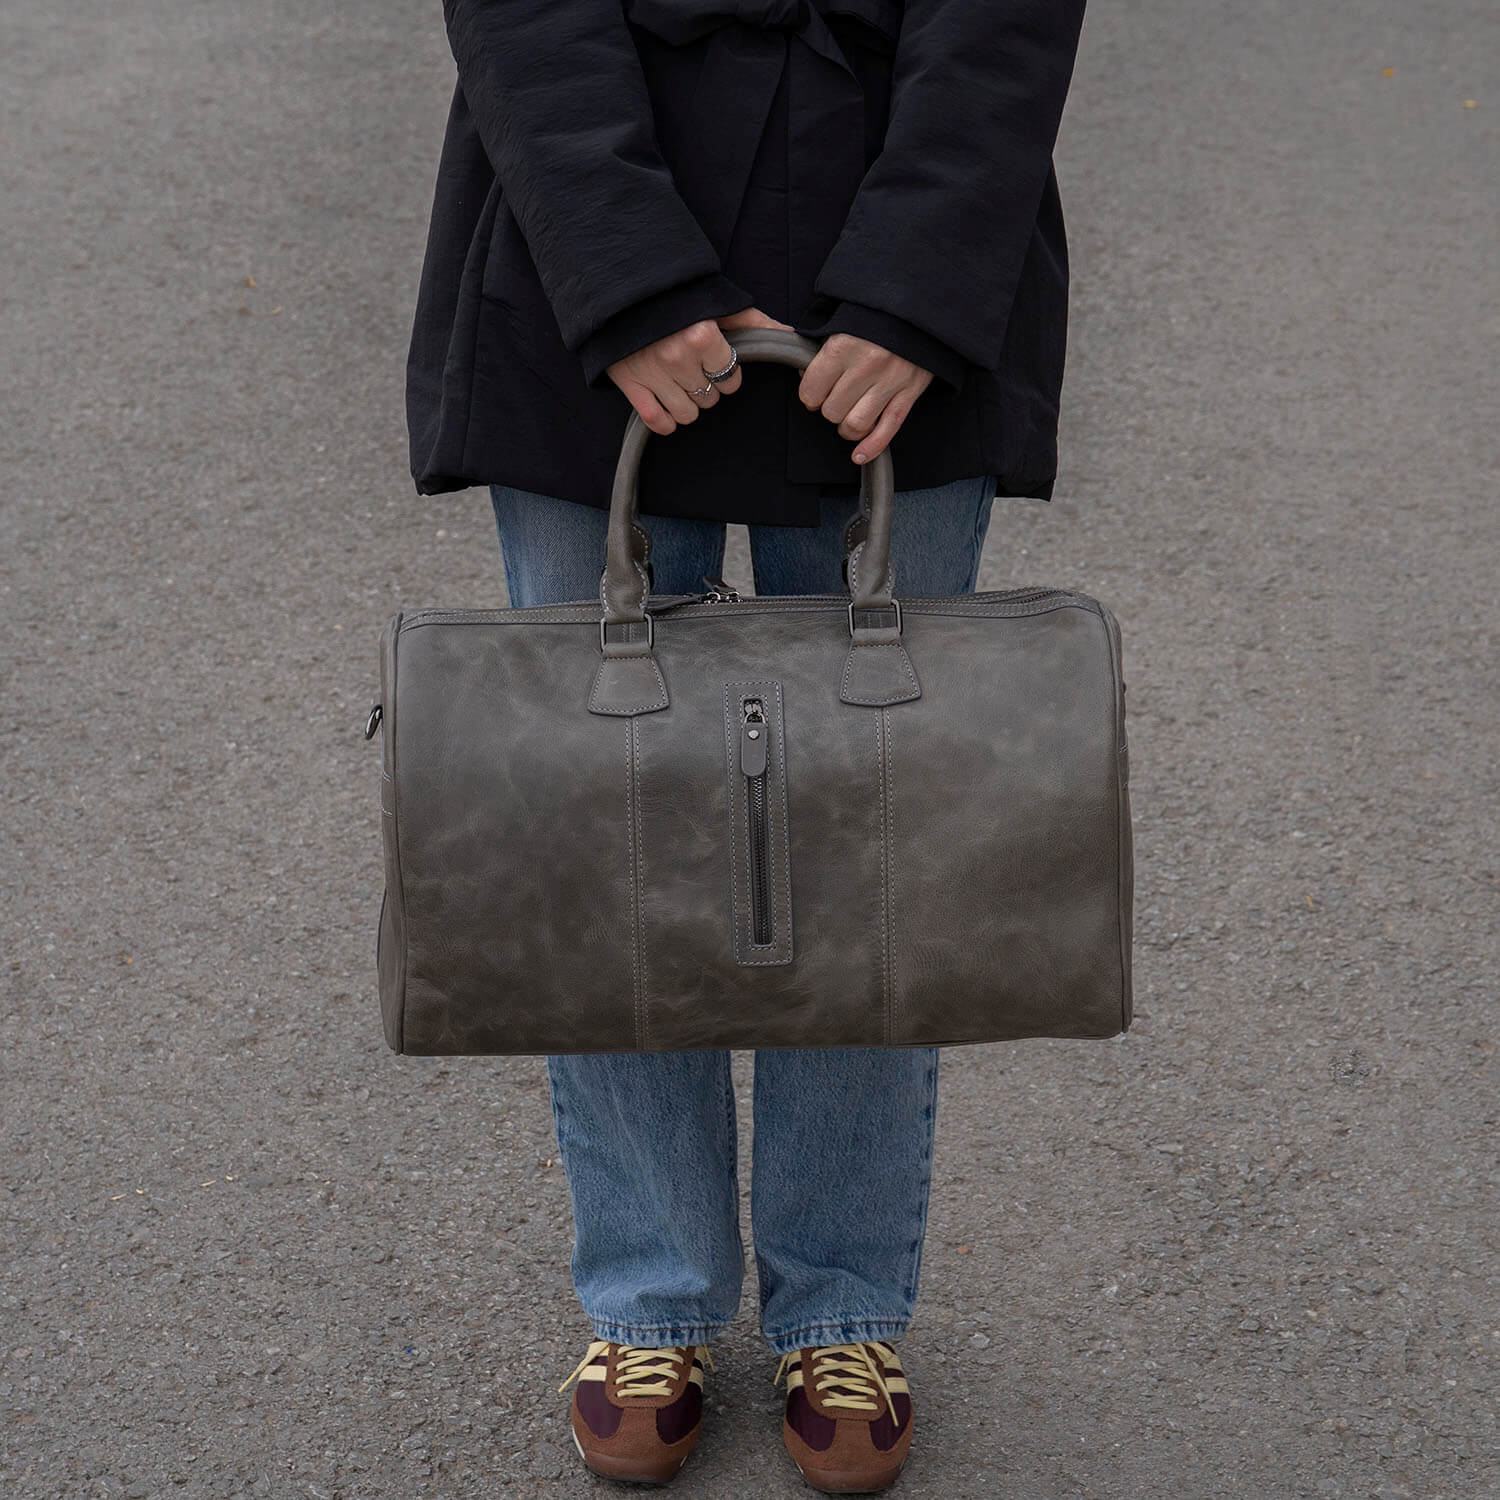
(842, 1144)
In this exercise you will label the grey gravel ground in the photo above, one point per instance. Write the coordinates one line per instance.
(1248, 1248)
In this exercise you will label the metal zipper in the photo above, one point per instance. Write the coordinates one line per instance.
(753, 763)
(580, 613)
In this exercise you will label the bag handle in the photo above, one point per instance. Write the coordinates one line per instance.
(629, 681)
(625, 586)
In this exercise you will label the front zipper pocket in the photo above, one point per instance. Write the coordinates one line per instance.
(755, 746)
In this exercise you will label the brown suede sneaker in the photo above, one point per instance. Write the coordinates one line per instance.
(637, 1412)
(848, 1418)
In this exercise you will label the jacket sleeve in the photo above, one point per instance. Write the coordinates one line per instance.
(940, 226)
(561, 106)
(828, 315)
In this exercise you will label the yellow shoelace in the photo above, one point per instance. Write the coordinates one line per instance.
(846, 1375)
(638, 1371)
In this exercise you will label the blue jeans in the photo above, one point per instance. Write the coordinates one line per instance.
(842, 1147)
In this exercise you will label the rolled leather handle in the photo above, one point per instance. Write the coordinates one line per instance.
(625, 586)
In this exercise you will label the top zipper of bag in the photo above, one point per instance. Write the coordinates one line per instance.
(728, 595)
(719, 592)
(731, 601)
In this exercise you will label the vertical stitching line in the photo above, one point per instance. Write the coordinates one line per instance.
(635, 886)
(784, 885)
(885, 874)
(635, 923)
(1122, 817)
(643, 1029)
(892, 996)
(731, 1127)
(388, 695)
(925, 1188)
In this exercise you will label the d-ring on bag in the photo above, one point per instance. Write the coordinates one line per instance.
(648, 824)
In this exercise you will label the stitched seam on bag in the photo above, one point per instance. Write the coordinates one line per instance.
(849, 697)
(640, 567)
(999, 610)
(604, 596)
(632, 792)
(582, 614)
(892, 1029)
(785, 883)
(885, 871)
(1122, 816)
(404, 947)
(610, 607)
(521, 617)
(640, 880)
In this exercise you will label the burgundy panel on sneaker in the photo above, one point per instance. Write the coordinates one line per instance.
(884, 1432)
(815, 1430)
(595, 1407)
(679, 1419)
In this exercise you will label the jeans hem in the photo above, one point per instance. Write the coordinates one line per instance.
(816, 1334)
(659, 1335)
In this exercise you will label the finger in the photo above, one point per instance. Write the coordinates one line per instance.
(865, 410)
(819, 378)
(652, 412)
(712, 351)
(731, 382)
(878, 439)
(701, 398)
(668, 388)
(860, 377)
(682, 374)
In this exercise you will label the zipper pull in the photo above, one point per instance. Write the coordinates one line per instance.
(752, 737)
(719, 592)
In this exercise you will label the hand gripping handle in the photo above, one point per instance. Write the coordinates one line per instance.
(625, 587)
(629, 681)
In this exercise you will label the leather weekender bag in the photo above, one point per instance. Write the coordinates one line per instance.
(647, 824)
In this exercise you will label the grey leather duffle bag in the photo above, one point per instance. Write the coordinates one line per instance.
(645, 824)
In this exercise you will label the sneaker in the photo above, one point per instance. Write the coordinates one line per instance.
(637, 1412)
(848, 1418)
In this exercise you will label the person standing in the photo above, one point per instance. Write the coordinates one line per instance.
(624, 184)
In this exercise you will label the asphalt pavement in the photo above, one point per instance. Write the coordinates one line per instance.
(1249, 1248)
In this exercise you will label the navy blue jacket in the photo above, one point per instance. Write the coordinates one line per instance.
(614, 170)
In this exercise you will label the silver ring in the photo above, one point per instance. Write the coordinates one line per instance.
(702, 390)
(734, 359)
